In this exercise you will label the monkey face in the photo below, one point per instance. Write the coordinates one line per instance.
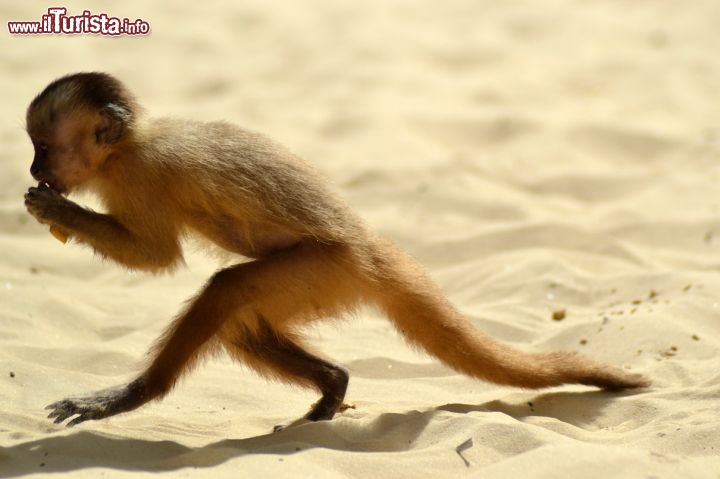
(70, 152)
(74, 124)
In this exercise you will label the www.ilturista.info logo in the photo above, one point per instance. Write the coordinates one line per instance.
(58, 22)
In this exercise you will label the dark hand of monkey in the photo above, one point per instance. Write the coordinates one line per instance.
(102, 404)
(47, 205)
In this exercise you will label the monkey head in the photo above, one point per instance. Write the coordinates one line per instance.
(74, 125)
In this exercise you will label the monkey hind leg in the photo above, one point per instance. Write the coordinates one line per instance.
(278, 355)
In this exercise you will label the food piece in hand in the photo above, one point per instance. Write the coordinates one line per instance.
(58, 234)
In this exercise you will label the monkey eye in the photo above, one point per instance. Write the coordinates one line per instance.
(42, 147)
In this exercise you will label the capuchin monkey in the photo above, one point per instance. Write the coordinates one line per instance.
(303, 255)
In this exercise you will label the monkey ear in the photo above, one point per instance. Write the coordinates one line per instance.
(112, 124)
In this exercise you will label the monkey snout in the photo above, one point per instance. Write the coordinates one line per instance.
(43, 177)
(36, 171)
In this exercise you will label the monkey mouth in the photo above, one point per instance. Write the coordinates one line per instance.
(53, 185)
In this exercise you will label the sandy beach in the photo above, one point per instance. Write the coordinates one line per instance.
(537, 157)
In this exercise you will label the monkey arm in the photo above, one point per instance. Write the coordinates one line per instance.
(104, 233)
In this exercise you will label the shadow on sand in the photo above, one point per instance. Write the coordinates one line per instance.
(389, 432)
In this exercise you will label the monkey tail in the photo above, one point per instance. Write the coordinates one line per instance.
(419, 310)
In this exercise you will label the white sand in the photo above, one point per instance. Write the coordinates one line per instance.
(534, 155)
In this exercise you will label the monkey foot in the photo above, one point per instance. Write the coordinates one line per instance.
(310, 417)
(345, 406)
(100, 405)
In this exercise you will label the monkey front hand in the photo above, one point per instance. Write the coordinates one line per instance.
(101, 404)
(47, 205)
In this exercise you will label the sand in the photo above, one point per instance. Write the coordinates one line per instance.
(536, 156)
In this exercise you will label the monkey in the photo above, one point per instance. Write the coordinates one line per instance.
(302, 254)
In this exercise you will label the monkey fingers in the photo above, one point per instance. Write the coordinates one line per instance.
(102, 404)
(44, 203)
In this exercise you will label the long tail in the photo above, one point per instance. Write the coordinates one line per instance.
(421, 313)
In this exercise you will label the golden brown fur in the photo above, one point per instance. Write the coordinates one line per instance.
(163, 179)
